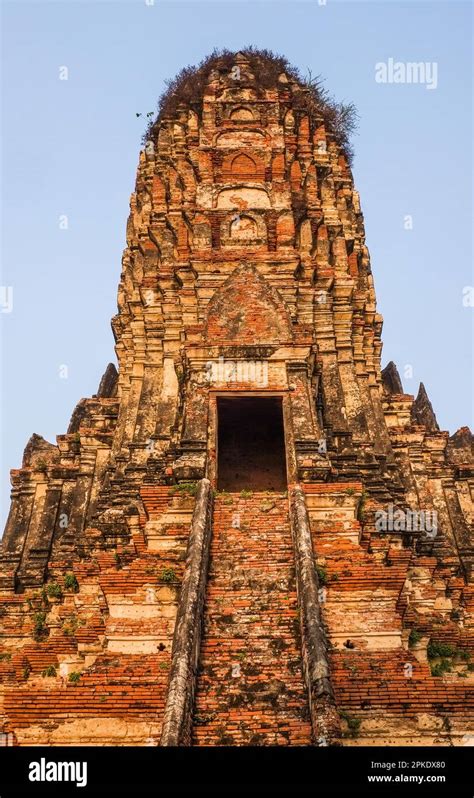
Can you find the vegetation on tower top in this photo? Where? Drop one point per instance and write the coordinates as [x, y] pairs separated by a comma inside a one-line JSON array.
[[188, 88]]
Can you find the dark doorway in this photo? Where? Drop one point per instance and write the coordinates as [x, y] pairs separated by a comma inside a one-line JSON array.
[[250, 444]]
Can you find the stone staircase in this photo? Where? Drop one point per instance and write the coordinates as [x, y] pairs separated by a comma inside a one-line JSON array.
[[250, 687]]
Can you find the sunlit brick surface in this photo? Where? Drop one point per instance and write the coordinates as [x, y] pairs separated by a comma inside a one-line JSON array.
[[115, 632]]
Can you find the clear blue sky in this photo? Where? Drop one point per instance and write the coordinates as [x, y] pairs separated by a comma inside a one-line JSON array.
[[71, 147]]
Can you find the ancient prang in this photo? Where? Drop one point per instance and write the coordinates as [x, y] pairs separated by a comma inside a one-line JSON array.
[[250, 535]]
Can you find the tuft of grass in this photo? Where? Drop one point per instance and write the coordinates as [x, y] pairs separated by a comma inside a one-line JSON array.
[[246, 494], [50, 670], [39, 621], [186, 488], [440, 667], [448, 654], [54, 590], [74, 677], [322, 574], [414, 638], [440, 650], [70, 582], [167, 575]]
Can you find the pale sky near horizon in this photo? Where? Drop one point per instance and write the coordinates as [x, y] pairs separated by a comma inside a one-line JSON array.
[[70, 147]]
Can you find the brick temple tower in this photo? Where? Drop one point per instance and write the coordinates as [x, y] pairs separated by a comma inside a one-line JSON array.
[[251, 534]]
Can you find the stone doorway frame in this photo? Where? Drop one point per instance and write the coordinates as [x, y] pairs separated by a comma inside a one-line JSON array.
[[288, 438], [290, 370]]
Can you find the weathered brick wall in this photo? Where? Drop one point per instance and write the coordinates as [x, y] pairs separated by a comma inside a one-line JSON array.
[[375, 593], [89, 664]]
